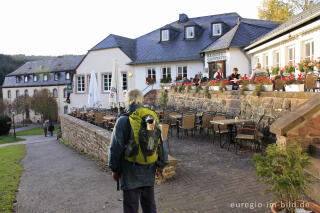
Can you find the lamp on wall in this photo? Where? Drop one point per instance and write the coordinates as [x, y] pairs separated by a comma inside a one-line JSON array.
[[130, 74]]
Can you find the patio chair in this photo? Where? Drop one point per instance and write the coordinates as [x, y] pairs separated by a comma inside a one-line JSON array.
[[278, 83], [205, 122], [187, 123], [311, 82], [98, 118], [249, 133], [164, 131], [172, 121], [219, 129]]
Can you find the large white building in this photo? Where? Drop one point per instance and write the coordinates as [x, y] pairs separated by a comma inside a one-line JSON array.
[[184, 48]]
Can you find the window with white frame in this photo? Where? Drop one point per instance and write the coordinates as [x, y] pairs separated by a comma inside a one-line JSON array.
[[216, 29], [35, 77], [164, 35], [266, 61], [67, 75], [80, 84], [124, 78], [26, 78], [151, 73], [189, 32], [45, 77], [56, 76], [276, 57], [166, 72], [309, 50], [257, 60], [291, 55], [55, 93], [9, 94], [182, 71], [106, 82]]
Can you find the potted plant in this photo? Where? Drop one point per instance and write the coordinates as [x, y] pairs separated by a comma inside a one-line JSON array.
[[178, 78], [282, 171], [165, 82], [214, 85], [275, 71], [251, 85], [267, 84], [294, 85], [307, 65], [290, 69], [150, 81]]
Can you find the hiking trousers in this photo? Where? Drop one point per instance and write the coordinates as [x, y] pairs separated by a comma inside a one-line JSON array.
[[132, 197]]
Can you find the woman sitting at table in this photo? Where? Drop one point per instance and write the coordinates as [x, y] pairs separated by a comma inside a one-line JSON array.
[[196, 80], [218, 75], [235, 77]]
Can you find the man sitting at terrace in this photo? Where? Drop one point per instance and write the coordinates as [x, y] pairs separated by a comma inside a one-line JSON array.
[[258, 72], [235, 78]]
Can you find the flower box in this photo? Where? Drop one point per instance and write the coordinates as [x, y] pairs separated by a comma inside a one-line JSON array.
[[193, 87], [214, 88], [251, 87], [165, 85], [203, 87], [267, 87], [228, 87], [294, 88]]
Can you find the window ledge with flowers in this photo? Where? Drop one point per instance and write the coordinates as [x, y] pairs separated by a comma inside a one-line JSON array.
[[150, 81], [165, 83]]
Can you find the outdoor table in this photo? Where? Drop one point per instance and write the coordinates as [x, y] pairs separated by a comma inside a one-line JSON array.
[[230, 123]]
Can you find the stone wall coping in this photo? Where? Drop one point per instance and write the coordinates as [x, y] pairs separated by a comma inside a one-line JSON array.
[[303, 112], [90, 127]]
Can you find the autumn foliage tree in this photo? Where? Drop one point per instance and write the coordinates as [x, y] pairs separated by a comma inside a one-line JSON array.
[[21, 105], [44, 103], [282, 10]]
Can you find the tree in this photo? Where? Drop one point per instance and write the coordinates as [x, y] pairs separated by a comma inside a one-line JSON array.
[[21, 105], [3, 106], [282, 10], [275, 10], [44, 103]]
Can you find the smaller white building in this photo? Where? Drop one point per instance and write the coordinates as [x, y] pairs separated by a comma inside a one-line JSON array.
[[291, 42]]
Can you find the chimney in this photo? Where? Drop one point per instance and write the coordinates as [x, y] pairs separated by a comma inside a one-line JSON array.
[[183, 18]]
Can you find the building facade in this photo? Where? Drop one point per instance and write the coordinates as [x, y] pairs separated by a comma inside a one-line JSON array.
[[54, 74], [293, 41]]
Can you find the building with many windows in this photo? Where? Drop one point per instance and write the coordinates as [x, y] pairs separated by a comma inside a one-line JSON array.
[[183, 48], [293, 41], [54, 74]]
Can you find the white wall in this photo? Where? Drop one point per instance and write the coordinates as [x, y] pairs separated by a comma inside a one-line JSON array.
[[101, 62], [140, 72], [296, 38], [33, 117]]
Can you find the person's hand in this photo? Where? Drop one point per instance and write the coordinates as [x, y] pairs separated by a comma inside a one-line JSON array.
[[115, 176], [159, 172]]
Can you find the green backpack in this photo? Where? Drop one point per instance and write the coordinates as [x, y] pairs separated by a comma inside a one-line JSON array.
[[143, 144]]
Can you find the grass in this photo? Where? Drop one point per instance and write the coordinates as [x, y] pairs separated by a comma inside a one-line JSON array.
[[35, 131], [10, 139], [10, 173]]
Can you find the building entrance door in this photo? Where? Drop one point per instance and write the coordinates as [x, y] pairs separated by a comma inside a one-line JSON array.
[[214, 66], [212, 69]]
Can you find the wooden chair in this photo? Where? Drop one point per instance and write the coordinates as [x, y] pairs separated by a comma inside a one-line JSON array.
[[311, 82], [249, 133], [164, 131], [172, 121], [205, 122], [219, 129], [98, 118], [187, 123], [278, 83]]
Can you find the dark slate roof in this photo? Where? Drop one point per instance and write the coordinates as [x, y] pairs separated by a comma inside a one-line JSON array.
[[56, 64], [286, 27], [50, 66], [127, 45], [149, 49]]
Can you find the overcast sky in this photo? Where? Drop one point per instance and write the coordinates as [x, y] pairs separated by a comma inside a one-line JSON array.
[[57, 27]]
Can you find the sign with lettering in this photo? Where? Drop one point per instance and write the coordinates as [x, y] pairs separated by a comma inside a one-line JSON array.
[[216, 56]]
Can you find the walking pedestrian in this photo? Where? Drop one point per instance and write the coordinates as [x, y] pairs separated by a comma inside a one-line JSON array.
[[51, 128], [136, 160], [45, 127]]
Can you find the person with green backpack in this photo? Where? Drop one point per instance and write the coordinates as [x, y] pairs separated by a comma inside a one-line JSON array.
[[137, 153]]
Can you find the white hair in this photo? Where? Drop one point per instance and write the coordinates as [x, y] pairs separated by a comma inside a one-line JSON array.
[[134, 97]]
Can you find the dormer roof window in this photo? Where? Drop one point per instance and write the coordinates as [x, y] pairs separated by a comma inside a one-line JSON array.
[[17, 79], [216, 29], [164, 35], [56, 76], [26, 78], [189, 32]]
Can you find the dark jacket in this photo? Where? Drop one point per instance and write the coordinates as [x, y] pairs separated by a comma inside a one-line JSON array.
[[136, 176], [51, 127]]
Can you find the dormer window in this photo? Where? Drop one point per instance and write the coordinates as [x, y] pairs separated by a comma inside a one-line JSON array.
[[216, 29], [189, 32], [67, 75], [56, 76], [35, 78], [26, 78], [17, 79], [45, 77], [164, 35]]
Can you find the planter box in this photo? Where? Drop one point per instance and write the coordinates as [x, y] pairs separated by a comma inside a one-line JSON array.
[[228, 87], [214, 88], [165, 85], [203, 87], [294, 88], [251, 87], [268, 87], [193, 87]]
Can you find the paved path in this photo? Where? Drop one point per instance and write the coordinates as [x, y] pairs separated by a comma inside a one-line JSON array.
[[30, 126], [209, 179], [31, 139], [58, 179]]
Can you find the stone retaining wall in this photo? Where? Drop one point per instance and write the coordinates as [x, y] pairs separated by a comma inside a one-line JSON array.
[[87, 137]]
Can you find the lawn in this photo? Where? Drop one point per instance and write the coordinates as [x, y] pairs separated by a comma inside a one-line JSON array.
[[36, 131], [10, 173], [10, 139]]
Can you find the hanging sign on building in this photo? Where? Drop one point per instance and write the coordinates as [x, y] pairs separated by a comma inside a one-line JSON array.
[[216, 56]]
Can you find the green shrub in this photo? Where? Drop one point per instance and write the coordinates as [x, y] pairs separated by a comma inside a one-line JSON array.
[[5, 124]]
